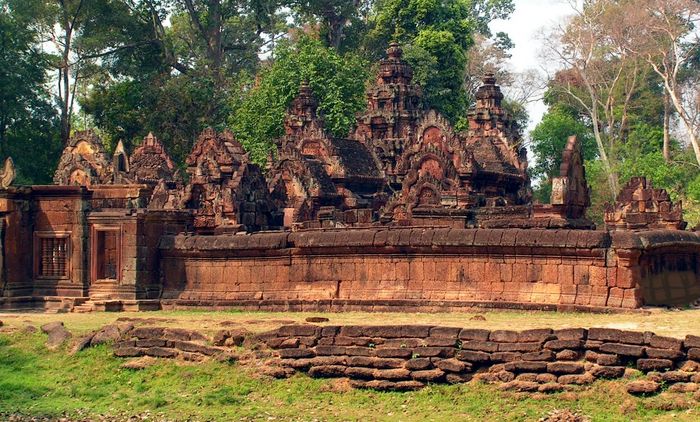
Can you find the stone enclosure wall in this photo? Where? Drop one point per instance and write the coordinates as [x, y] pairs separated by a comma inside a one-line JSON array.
[[430, 269], [408, 357]]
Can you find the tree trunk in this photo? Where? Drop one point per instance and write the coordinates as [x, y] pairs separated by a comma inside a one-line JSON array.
[[65, 95], [667, 128], [687, 122]]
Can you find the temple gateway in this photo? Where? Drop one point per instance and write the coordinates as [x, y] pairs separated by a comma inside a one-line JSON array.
[[404, 213]]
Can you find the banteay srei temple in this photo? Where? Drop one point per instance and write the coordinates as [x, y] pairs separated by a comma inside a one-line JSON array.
[[403, 214]]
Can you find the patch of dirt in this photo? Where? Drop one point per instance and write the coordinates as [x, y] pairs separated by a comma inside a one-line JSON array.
[[147, 321], [139, 363], [341, 385], [270, 321], [564, 415]]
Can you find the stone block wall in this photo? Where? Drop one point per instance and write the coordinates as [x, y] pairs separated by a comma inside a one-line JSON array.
[[410, 356], [423, 269]]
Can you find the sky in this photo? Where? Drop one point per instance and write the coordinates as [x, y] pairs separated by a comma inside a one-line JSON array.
[[530, 16]]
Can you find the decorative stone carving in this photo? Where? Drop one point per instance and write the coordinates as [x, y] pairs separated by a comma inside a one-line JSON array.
[[319, 180], [570, 196], [394, 106], [120, 165], [570, 190], [226, 191], [641, 207], [150, 163], [8, 173], [83, 161], [494, 140]]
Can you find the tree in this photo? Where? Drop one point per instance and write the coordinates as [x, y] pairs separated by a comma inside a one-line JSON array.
[[338, 81], [336, 19], [436, 36], [664, 36], [598, 74], [28, 122]]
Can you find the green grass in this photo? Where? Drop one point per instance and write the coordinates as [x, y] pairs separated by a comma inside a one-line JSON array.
[[37, 382]]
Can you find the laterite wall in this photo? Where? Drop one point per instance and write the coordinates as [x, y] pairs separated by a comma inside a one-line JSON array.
[[416, 269]]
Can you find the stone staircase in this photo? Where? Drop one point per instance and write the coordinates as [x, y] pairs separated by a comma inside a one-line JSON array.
[[85, 307]]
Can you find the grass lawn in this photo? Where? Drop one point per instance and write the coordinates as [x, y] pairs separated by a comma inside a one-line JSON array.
[[38, 382]]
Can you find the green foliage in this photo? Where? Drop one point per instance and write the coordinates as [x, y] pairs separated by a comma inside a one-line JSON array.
[[176, 108], [548, 141], [436, 36], [338, 81], [28, 122]]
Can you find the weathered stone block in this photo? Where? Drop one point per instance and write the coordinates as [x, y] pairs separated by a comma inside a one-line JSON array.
[[670, 343], [568, 355], [433, 375], [676, 376], [664, 353], [647, 365], [505, 356], [565, 368], [394, 353], [643, 387], [622, 349], [473, 356], [543, 355], [538, 335], [503, 336], [519, 347], [160, 352], [604, 334], [525, 366], [452, 365], [608, 372], [473, 334], [392, 374], [692, 342], [578, 379], [418, 364], [297, 353], [563, 344], [481, 346], [328, 371], [521, 386]]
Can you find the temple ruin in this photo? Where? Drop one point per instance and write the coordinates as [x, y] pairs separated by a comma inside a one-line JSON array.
[[404, 213]]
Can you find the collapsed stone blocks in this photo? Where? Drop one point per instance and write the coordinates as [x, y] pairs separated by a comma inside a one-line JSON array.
[[520, 361]]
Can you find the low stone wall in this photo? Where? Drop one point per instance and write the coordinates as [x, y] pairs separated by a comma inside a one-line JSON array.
[[410, 356], [422, 269], [171, 343]]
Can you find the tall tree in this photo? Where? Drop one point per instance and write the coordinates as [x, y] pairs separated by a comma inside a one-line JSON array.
[[28, 121], [598, 74], [665, 37], [437, 36], [338, 81]]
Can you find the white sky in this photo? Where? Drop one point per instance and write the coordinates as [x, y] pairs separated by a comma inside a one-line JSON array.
[[530, 16]]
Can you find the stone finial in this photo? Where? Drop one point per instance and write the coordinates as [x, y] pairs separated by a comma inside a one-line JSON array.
[[489, 95], [394, 51], [393, 69], [8, 173], [150, 140], [489, 78]]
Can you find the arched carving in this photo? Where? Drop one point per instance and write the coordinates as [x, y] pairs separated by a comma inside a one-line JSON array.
[[84, 162]]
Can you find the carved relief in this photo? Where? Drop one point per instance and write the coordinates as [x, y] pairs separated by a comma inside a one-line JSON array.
[[150, 163], [83, 162]]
